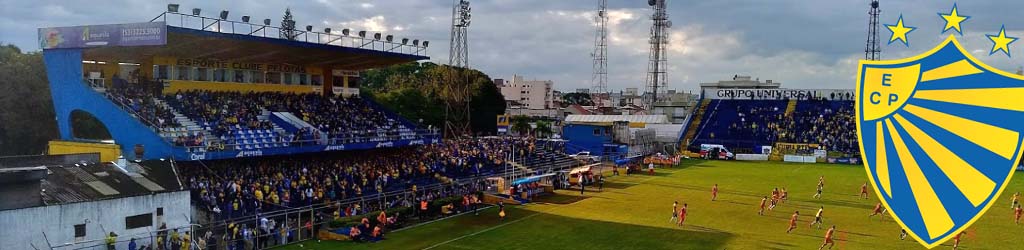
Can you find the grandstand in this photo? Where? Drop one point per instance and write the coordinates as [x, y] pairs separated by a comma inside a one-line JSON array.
[[189, 87], [260, 127], [747, 120]]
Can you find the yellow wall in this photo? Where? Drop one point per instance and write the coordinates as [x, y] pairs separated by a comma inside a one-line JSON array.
[[108, 152], [176, 85]]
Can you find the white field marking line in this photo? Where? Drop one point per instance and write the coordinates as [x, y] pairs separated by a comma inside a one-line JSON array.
[[441, 219], [639, 182], [481, 231], [799, 168]]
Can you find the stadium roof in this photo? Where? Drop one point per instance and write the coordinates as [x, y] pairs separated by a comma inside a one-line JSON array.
[[192, 43], [45, 185], [647, 119], [180, 35]]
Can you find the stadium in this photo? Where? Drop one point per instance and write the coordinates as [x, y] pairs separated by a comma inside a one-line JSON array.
[[242, 134]]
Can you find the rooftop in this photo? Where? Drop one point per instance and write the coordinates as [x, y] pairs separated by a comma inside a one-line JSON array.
[[68, 182]]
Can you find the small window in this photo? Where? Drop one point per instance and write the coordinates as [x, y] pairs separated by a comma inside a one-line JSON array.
[[137, 221], [257, 77], [220, 75], [202, 74], [239, 76], [303, 80], [274, 77], [183, 73], [597, 131], [80, 231], [159, 211], [316, 79], [161, 71], [288, 79]]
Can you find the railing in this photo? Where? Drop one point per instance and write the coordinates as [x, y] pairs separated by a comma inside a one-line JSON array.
[[156, 127], [377, 42], [417, 134], [122, 241]]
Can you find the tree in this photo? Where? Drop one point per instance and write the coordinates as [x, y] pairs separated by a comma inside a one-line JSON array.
[[417, 91], [288, 31], [543, 129], [521, 124], [27, 115]]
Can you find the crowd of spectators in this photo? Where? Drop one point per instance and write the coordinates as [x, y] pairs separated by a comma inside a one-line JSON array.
[[831, 124], [746, 124], [243, 187], [222, 112], [139, 99], [757, 123], [341, 120]]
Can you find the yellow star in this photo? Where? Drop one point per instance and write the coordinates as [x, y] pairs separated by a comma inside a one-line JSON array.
[[899, 32], [953, 20], [1001, 41]]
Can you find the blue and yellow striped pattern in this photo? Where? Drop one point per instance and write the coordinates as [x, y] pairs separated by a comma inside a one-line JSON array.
[[940, 148]]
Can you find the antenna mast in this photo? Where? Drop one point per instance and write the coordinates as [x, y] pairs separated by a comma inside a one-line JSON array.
[[873, 51], [599, 79], [658, 64], [457, 113]]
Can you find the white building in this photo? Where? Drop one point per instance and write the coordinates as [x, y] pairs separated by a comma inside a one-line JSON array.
[[67, 205], [528, 94], [743, 82]]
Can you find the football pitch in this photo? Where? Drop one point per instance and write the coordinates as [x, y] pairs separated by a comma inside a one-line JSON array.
[[633, 212]]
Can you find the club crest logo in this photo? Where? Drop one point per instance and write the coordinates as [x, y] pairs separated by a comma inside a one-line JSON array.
[[940, 133]]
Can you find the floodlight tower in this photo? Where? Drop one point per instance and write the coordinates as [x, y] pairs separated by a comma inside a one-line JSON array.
[[658, 60], [873, 51], [458, 85], [599, 79]]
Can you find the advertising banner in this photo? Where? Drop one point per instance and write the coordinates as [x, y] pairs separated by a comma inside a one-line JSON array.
[[777, 94], [109, 35]]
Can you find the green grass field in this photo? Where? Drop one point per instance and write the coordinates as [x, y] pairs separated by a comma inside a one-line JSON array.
[[633, 212]]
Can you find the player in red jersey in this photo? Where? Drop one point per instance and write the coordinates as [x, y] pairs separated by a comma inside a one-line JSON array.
[[828, 238], [864, 191], [956, 239], [714, 192], [1017, 212], [879, 210], [792, 221], [682, 214], [763, 201]]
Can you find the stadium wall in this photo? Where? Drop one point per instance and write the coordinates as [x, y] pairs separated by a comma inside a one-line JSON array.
[[24, 228], [69, 93], [108, 152]]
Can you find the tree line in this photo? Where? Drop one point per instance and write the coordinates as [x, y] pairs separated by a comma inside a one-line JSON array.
[[417, 91]]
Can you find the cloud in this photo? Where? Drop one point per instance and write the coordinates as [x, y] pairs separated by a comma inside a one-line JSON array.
[[376, 24], [810, 44]]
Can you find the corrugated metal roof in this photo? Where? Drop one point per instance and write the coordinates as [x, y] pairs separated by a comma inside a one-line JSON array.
[[96, 181], [648, 119]]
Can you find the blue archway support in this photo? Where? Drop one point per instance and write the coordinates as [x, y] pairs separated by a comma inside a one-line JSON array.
[[69, 92]]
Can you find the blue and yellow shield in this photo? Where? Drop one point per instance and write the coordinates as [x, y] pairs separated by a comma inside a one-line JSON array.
[[940, 134]]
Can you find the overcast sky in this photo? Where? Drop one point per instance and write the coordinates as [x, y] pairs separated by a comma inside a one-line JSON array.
[[803, 44]]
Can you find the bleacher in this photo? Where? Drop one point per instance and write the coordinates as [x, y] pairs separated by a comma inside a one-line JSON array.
[[745, 125], [214, 121], [740, 124]]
